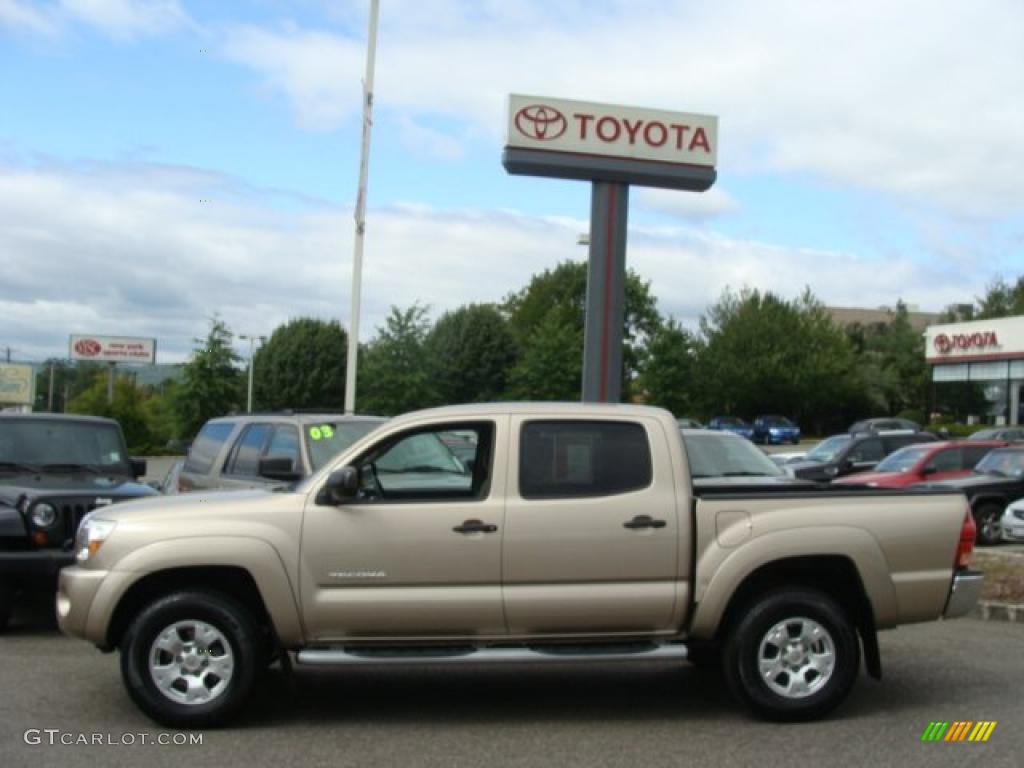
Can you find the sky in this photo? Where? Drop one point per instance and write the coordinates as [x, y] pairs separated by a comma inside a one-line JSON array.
[[165, 160]]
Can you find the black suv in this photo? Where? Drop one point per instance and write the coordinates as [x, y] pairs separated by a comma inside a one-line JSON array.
[[55, 469], [845, 454]]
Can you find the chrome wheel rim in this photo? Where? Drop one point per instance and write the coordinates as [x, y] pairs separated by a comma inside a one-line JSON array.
[[191, 662], [991, 527], [796, 658]]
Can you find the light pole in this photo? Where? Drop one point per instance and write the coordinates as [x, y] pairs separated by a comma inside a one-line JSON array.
[[360, 213], [252, 340]]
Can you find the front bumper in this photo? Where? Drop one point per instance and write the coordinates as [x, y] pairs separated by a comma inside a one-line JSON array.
[[76, 590], [41, 564], [964, 594], [1013, 527]]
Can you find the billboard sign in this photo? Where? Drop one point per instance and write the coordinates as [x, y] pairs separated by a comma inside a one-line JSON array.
[[113, 349], [17, 384], [607, 130]]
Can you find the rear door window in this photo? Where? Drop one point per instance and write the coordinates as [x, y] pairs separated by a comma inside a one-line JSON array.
[[207, 446], [245, 456], [575, 459], [974, 454], [867, 451]]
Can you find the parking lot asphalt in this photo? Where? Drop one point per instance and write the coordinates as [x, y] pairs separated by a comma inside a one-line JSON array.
[[639, 714]]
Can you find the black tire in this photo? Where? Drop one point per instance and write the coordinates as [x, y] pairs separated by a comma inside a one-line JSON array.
[[245, 644], [8, 596], [797, 609], [987, 518]]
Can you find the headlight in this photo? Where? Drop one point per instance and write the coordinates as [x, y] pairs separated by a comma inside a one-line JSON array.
[[831, 471], [43, 515], [90, 537]]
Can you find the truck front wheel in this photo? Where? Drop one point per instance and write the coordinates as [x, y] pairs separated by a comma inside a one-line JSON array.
[[794, 655], [190, 659]]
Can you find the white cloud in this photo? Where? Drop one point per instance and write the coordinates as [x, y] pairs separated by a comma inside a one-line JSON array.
[[126, 19], [132, 251], [687, 205], [916, 98], [422, 140], [23, 17]]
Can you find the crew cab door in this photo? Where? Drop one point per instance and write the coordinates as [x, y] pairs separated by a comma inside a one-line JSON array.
[[418, 552], [593, 532]]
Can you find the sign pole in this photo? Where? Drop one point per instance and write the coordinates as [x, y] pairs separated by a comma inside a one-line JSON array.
[[606, 293], [360, 214]]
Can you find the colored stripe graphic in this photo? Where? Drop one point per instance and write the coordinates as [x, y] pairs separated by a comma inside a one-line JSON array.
[[934, 731], [959, 730], [983, 730]]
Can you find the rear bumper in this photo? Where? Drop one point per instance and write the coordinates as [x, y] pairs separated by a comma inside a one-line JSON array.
[[964, 594]]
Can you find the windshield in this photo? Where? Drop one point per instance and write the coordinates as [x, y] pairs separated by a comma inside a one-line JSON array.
[[776, 421], [985, 434], [724, 455], [1003, 463], [52, 445], [828, 449], [903, 459], [730, 421], [325, 440]]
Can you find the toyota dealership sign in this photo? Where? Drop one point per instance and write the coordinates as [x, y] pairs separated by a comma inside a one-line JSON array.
[[585, 128], [113, 349]]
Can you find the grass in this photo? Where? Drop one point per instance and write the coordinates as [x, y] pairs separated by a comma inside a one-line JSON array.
[[1004, 576]]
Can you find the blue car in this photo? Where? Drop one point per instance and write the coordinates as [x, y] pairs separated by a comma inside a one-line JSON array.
[[732, 424], [775, 430]]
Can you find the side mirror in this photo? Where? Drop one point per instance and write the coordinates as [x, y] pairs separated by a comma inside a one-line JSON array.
[[278, 468], [342, 485], [138, 467]]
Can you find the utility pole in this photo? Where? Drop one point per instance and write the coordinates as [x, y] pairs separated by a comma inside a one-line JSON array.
[[49, 399], [360, 213], [252, 339]]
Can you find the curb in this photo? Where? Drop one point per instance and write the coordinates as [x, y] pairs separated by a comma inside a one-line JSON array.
[[992, 610]]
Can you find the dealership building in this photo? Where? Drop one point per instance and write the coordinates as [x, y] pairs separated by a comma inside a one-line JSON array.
[[986, 352]]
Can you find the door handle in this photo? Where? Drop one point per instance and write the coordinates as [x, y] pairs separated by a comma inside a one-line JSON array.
[[644, 521], [475, 526]]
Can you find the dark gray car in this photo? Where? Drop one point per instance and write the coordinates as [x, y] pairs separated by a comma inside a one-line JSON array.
[[268, 450], [841, 455]]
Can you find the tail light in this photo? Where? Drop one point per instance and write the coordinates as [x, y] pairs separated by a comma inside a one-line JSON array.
[[966, 546]]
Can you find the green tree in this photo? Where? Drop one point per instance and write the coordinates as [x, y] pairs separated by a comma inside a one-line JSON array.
[[211, 384], [302, 365], [128, 408], [1002, 300], [470, 352], [669, 376], [763, 354], [554, 303], [393, 371], [893, 360]]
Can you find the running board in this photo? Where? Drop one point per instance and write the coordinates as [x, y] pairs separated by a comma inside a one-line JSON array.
[[340, 656]]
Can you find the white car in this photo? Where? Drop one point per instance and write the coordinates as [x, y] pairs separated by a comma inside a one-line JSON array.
[[1013, 522]]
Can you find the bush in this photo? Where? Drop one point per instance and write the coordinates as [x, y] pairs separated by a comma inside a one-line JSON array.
[[915, 415]]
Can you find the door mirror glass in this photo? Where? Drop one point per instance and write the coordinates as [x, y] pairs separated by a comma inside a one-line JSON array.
[[278, 468]]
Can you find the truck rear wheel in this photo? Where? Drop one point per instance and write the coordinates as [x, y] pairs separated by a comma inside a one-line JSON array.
[[793, 656], [190, 659], [988, 518]]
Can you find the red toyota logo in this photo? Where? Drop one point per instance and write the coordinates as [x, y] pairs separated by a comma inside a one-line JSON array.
[[943, 344], [88, 347], [540, 122]]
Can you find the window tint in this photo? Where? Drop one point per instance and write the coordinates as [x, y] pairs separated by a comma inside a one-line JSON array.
[[285, 443], [974, 454], [206, 446], [867, 450], [420, 466], [947, 461], [582, 458], [245, 456]]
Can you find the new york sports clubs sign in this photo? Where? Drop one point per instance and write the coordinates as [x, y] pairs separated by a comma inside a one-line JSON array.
[[113, 349], [606, 130]]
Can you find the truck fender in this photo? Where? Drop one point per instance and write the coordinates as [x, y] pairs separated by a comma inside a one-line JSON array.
[[721, 571], [256, 556]]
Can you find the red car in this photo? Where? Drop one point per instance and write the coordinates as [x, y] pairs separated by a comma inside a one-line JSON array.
[[925, 462]]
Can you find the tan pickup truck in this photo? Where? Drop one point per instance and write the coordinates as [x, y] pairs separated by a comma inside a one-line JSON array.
[[572, 532]]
